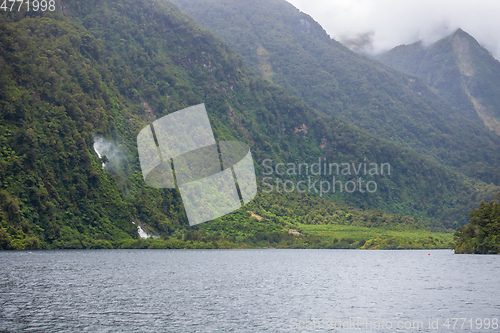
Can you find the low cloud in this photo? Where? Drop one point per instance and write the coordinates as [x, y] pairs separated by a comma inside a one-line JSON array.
[[116, 156], [389, 23]]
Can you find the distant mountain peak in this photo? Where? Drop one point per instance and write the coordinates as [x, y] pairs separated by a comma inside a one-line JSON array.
[[457, 68], [461, 32]]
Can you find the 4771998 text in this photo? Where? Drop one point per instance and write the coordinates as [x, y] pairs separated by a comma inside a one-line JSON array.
[[28, 5]]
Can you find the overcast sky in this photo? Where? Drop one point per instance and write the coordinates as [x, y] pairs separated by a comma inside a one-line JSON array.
[[396, 22]]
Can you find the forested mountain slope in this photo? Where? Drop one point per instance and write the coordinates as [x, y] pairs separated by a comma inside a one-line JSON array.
[[458, 69], [105, 69], [292, 50]]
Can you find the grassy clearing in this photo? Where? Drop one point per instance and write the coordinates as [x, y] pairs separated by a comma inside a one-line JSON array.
[[343, 236]]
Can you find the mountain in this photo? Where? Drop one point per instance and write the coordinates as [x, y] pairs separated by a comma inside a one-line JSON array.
[[459, 70], [92, 74], [290, 49]]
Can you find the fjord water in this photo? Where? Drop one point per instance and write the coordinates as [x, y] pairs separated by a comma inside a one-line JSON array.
[[246, 291]]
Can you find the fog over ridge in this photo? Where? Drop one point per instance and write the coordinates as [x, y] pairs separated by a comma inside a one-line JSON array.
[[383, 24]]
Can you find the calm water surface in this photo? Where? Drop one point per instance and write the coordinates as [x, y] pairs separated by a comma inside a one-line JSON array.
[[248, 291]]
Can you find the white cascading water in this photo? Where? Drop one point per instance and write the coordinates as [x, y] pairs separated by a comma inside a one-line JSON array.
[[98, 154], [142, 233]]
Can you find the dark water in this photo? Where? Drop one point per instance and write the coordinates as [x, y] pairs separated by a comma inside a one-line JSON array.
[[248, 291]]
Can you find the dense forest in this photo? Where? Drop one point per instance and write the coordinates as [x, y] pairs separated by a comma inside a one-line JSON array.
[[482, 233], [101, 70]]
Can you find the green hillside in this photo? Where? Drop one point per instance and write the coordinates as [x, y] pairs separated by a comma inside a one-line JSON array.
[[101, 69], [290, 49], [458, 69]]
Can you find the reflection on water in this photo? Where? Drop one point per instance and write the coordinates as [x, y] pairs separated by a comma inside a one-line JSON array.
[[244, 290]]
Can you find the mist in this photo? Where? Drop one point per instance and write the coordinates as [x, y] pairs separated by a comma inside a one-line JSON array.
[[384, 24], [117, 158]]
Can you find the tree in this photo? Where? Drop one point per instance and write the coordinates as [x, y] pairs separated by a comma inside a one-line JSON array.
[[482, 234]]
